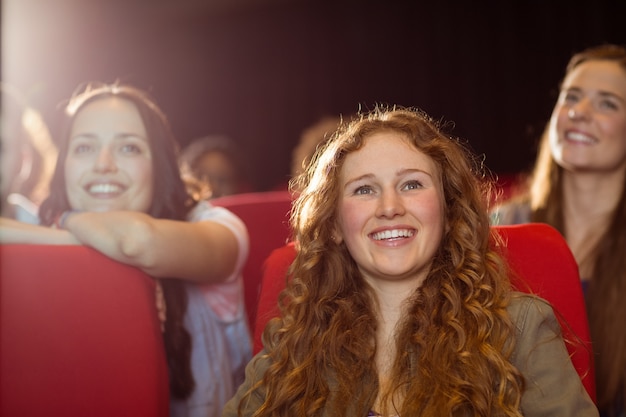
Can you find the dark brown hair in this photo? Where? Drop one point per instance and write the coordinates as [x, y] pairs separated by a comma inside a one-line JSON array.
[[174, 203]]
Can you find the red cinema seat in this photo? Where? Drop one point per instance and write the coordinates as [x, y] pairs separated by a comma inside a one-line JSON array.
[[541, 260], [266, 215], [79, 336]]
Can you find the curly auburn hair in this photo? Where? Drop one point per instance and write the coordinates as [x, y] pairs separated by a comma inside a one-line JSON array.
[[174, 203], [456, 327]]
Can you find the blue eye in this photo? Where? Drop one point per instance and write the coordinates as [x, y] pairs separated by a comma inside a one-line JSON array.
[[131, 148], [608, 104], [363, 190], [412, 185], [570, 97], [82, 148]]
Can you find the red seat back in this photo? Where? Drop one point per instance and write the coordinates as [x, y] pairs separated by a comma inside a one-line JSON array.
[[538, 255], [266, 216], [79, 336], [544, 265]]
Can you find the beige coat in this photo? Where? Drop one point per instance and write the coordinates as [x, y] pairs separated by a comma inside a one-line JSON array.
[[553, 387]]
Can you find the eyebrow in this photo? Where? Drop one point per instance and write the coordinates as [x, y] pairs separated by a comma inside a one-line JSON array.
[[612, 95], [399, 173], [357, 179], [601, 93], [118, 136]]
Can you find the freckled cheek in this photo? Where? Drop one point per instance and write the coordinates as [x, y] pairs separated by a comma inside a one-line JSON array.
[[352, 219], [430, 211]]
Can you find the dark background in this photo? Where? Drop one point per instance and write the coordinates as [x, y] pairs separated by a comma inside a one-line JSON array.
[[261, 71]]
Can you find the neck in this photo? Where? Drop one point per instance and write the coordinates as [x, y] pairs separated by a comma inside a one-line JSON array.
[[588, 203], [391, 306], [591, 195]]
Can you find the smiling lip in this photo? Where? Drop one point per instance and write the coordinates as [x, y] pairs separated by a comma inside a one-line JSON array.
[[393, 234], [579, 137], [104, 189]]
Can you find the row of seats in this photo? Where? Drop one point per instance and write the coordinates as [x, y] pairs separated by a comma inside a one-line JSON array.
[[79, 333]]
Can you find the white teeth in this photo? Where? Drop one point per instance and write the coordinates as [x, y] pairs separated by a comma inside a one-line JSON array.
[[393, 234], [579, 137], [104, 188]]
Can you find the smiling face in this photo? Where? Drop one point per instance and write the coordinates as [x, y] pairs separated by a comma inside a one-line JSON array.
[[109, 161], [391, 213], [588, 124]]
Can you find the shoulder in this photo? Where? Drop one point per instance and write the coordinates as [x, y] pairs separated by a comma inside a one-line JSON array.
[[552, 385], [536, 327], [255, 370], [529, 310], [205, 211]]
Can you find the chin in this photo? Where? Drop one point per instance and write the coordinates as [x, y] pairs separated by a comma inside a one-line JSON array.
[[102, 208]]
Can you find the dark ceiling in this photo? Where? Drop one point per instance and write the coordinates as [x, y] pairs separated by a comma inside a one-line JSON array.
[[260, 71]]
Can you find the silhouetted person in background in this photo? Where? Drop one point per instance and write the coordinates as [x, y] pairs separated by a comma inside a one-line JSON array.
[[28, 157], [216, 161]]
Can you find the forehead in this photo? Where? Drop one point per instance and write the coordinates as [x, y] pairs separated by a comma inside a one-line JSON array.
[[388, 151], [606, 76], [390, 144], [109, 115]]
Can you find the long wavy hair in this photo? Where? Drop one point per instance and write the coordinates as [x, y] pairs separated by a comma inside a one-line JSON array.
[[605, 307], [455, 342], [172, 202]]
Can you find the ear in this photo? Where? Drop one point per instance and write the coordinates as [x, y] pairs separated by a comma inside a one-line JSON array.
[[337, 237]]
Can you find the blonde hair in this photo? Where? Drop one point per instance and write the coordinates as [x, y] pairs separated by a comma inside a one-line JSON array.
[[606, 310]]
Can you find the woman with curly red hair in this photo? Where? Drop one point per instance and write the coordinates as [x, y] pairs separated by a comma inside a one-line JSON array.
[[398, 302]]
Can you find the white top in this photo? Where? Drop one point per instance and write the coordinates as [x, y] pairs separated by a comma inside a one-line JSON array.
[[217, 321]]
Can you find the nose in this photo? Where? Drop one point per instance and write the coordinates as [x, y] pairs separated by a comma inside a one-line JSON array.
[[105, 161], [579, 111], [390, 205]]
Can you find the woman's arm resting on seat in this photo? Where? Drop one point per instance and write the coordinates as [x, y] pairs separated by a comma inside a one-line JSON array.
[[203, 251], [13, 231]]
